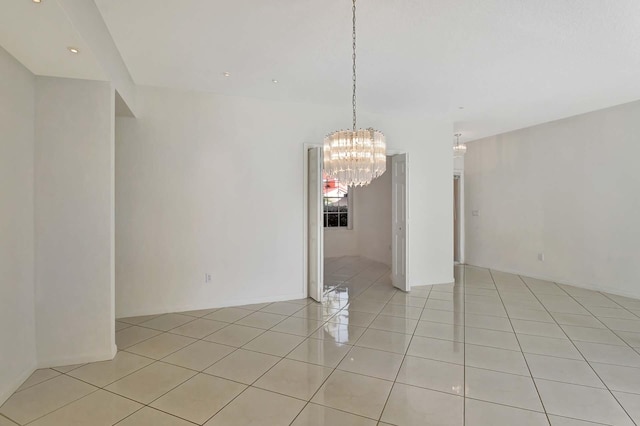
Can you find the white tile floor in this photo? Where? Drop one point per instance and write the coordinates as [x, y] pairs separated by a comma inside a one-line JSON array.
[[491, 349]]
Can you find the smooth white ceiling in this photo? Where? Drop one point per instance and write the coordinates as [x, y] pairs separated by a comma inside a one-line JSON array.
[[510, 63], [38, 35]]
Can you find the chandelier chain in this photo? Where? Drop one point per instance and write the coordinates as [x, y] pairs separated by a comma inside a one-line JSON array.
[[354, 65]]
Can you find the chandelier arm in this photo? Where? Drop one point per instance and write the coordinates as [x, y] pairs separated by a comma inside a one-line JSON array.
[[354, 65]]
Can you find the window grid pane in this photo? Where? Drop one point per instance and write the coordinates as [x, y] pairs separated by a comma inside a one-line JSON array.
[[336, 204]]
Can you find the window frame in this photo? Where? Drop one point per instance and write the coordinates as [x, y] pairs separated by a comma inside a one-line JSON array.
[[325, 214]]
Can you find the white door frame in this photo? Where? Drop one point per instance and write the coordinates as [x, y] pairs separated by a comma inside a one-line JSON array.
[[305, 214], [460, 174], [305, 217]]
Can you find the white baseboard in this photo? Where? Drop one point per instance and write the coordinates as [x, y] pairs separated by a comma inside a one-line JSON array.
[[77, 359], [594, 287], [8, 388], [199, 306], [437, 282]]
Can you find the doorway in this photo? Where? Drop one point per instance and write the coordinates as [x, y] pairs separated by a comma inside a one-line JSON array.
[[345, 222]]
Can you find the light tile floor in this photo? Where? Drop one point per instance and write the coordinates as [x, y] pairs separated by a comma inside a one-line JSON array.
[[491, 349]]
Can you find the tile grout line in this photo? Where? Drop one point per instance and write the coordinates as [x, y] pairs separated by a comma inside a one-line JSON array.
[[591, 366], [341, 359], [579, 351], [521, 351]]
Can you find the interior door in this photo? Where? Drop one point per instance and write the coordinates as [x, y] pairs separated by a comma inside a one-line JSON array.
[[399, 221], [316, 226], [456, 221]]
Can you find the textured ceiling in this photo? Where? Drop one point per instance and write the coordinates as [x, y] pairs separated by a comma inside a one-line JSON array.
[[510, 63]]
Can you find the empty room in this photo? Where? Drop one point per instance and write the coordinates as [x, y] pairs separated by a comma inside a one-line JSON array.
[[305, 212]]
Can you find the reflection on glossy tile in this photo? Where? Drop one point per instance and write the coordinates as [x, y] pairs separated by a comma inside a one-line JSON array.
[[258, 407], [339, 333], [298, 326], [321, 352], [409, 405], [350, 317], [384, 341]]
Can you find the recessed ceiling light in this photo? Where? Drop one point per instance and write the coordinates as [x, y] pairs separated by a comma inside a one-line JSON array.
[[37, 1], [226, 74], [73, 50], [275, 81]]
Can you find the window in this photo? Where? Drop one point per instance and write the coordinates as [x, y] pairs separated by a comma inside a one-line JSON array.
[[337, 204]]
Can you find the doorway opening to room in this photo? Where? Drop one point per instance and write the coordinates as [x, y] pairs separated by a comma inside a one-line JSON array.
[[355, 236]]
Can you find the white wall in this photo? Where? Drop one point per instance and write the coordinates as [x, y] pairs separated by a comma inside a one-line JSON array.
[[340, 242], [74, 220], [371, 233], [208, 183], [17, 320], [373, 218], [568, 189]]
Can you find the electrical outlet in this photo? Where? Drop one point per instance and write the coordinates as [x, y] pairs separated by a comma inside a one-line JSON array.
[[207, 277], [541, 257], [475, 213]]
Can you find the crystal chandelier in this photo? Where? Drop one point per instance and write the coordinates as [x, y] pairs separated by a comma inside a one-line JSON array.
[[459, 149], [355, 157]]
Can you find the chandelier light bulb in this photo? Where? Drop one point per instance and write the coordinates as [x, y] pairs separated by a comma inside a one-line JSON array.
[[355, 157], [459, 149]]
